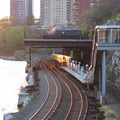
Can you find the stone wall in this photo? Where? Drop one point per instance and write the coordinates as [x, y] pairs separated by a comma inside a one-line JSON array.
[[116, 63]]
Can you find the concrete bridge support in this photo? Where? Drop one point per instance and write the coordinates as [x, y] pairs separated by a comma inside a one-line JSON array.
[[102, 96], [75, 53], [66, 51], [83, 55], [104, 73]]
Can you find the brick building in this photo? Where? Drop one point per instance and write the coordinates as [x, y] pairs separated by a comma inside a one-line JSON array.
[[19, 10]]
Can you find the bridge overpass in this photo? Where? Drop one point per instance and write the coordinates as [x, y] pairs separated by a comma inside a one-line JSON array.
[[104, 39], [60, 43], [80, 48]]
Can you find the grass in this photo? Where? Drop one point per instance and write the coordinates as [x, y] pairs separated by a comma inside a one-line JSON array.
[[109, 75], [33, 97], [109, 114], [118, 80], [21, 108]]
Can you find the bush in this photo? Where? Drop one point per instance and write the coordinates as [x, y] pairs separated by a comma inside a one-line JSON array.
[[109, 75]]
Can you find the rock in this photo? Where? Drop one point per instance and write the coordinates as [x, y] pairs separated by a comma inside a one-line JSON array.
[[116, 63]]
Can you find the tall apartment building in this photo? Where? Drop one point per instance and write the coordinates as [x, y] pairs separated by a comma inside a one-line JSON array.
[[80, 6], [94, 3], [30, 7], [61, 12], [69, 11], [19, 10], [75, 12], [55, 12]]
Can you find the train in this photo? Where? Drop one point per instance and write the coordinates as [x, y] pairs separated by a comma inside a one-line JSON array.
[[63, 34], [62, 59]]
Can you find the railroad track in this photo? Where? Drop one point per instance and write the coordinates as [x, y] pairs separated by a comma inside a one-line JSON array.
[[78, 105], [52, 99], [65, 100], [114, 90], [84, 102]]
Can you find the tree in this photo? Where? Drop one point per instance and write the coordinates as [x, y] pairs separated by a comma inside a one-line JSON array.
[[2, 40], [4, 22], [30, 20], [13, 20], [100, 14], [11, 39]]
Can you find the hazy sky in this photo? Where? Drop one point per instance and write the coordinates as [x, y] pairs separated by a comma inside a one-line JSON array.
[[5, 8]]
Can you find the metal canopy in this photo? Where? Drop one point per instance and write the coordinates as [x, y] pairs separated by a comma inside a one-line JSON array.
[[57, 43]]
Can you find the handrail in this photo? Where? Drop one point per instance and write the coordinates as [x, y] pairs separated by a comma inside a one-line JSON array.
[[93, 56], [103, 35]]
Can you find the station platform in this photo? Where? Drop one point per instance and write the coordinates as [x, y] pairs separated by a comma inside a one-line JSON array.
[[84, 77]]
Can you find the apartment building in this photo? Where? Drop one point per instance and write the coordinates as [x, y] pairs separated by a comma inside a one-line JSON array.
[[75, 12], [69, 11], [94, 3], [55, 12], [62, 12], [19, 10], [79, 7]]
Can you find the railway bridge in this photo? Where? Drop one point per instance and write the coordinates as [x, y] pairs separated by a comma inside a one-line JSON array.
[[80, 49], [91, 52]]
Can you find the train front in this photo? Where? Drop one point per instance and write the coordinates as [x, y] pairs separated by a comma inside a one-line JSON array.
[[63, 60]]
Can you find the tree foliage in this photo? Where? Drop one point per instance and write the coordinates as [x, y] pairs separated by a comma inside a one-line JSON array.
[[4, 22], [30, 20], [100, 14], [11, 39]]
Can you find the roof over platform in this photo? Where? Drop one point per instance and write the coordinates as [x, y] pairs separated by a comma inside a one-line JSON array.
[[58, 43]]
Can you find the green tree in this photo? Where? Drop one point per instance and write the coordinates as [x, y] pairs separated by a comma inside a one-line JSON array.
[[11, 39], [30, 20], [2, 40], [13, 20], [4, 22], [100, 14]]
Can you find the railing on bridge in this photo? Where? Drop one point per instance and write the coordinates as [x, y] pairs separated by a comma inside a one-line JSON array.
[[107, 34], [106, 37]]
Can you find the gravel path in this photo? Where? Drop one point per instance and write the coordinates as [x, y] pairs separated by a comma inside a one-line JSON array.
[[32, 106]]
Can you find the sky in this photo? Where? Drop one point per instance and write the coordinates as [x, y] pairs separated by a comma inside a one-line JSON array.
[[5, 8]]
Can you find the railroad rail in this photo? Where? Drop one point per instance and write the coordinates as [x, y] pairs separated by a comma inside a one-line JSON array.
[[78, 105], [114, 90], [82, 92], [65, 100], [52, 99]]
